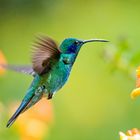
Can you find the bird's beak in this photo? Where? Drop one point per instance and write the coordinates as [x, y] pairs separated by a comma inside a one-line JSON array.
[[95, 40]]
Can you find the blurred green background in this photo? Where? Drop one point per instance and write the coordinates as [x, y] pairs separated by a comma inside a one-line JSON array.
[[94, 104]]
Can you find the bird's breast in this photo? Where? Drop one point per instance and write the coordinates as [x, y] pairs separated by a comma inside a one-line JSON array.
[[58, 76]]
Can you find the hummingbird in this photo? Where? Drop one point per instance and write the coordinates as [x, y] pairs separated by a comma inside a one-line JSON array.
[[51, 67]]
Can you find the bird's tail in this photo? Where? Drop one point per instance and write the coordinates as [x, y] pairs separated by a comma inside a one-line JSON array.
[[33, 95], [28, 97]]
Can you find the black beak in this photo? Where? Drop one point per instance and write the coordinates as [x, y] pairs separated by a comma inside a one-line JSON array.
[[95, 40]]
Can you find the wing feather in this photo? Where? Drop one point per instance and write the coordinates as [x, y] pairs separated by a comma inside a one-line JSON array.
[[45, 52], [21, 68]]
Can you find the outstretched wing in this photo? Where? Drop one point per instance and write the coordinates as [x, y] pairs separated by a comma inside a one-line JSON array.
[[23, 69], [45, 53]]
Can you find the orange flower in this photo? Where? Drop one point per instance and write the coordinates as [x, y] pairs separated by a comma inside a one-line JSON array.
[[133, 134], [2, 61], [34, 123], [136, 91]]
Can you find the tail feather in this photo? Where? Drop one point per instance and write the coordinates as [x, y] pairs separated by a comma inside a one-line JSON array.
[[33, 101], [27, 102], [18, 112], [33, 95], [28, 97]]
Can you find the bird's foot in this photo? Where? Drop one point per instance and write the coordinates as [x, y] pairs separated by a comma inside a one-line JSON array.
[[50, 95]]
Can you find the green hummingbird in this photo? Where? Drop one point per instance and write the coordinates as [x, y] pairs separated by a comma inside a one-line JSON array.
[[51, 67]]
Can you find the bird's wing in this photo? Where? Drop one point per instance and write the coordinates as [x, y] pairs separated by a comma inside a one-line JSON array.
[[23, 69], [45, 52]]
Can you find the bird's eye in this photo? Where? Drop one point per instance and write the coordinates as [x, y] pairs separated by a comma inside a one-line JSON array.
[[76, 42]]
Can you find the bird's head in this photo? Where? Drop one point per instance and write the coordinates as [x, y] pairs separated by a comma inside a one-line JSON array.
[[73, 45]]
